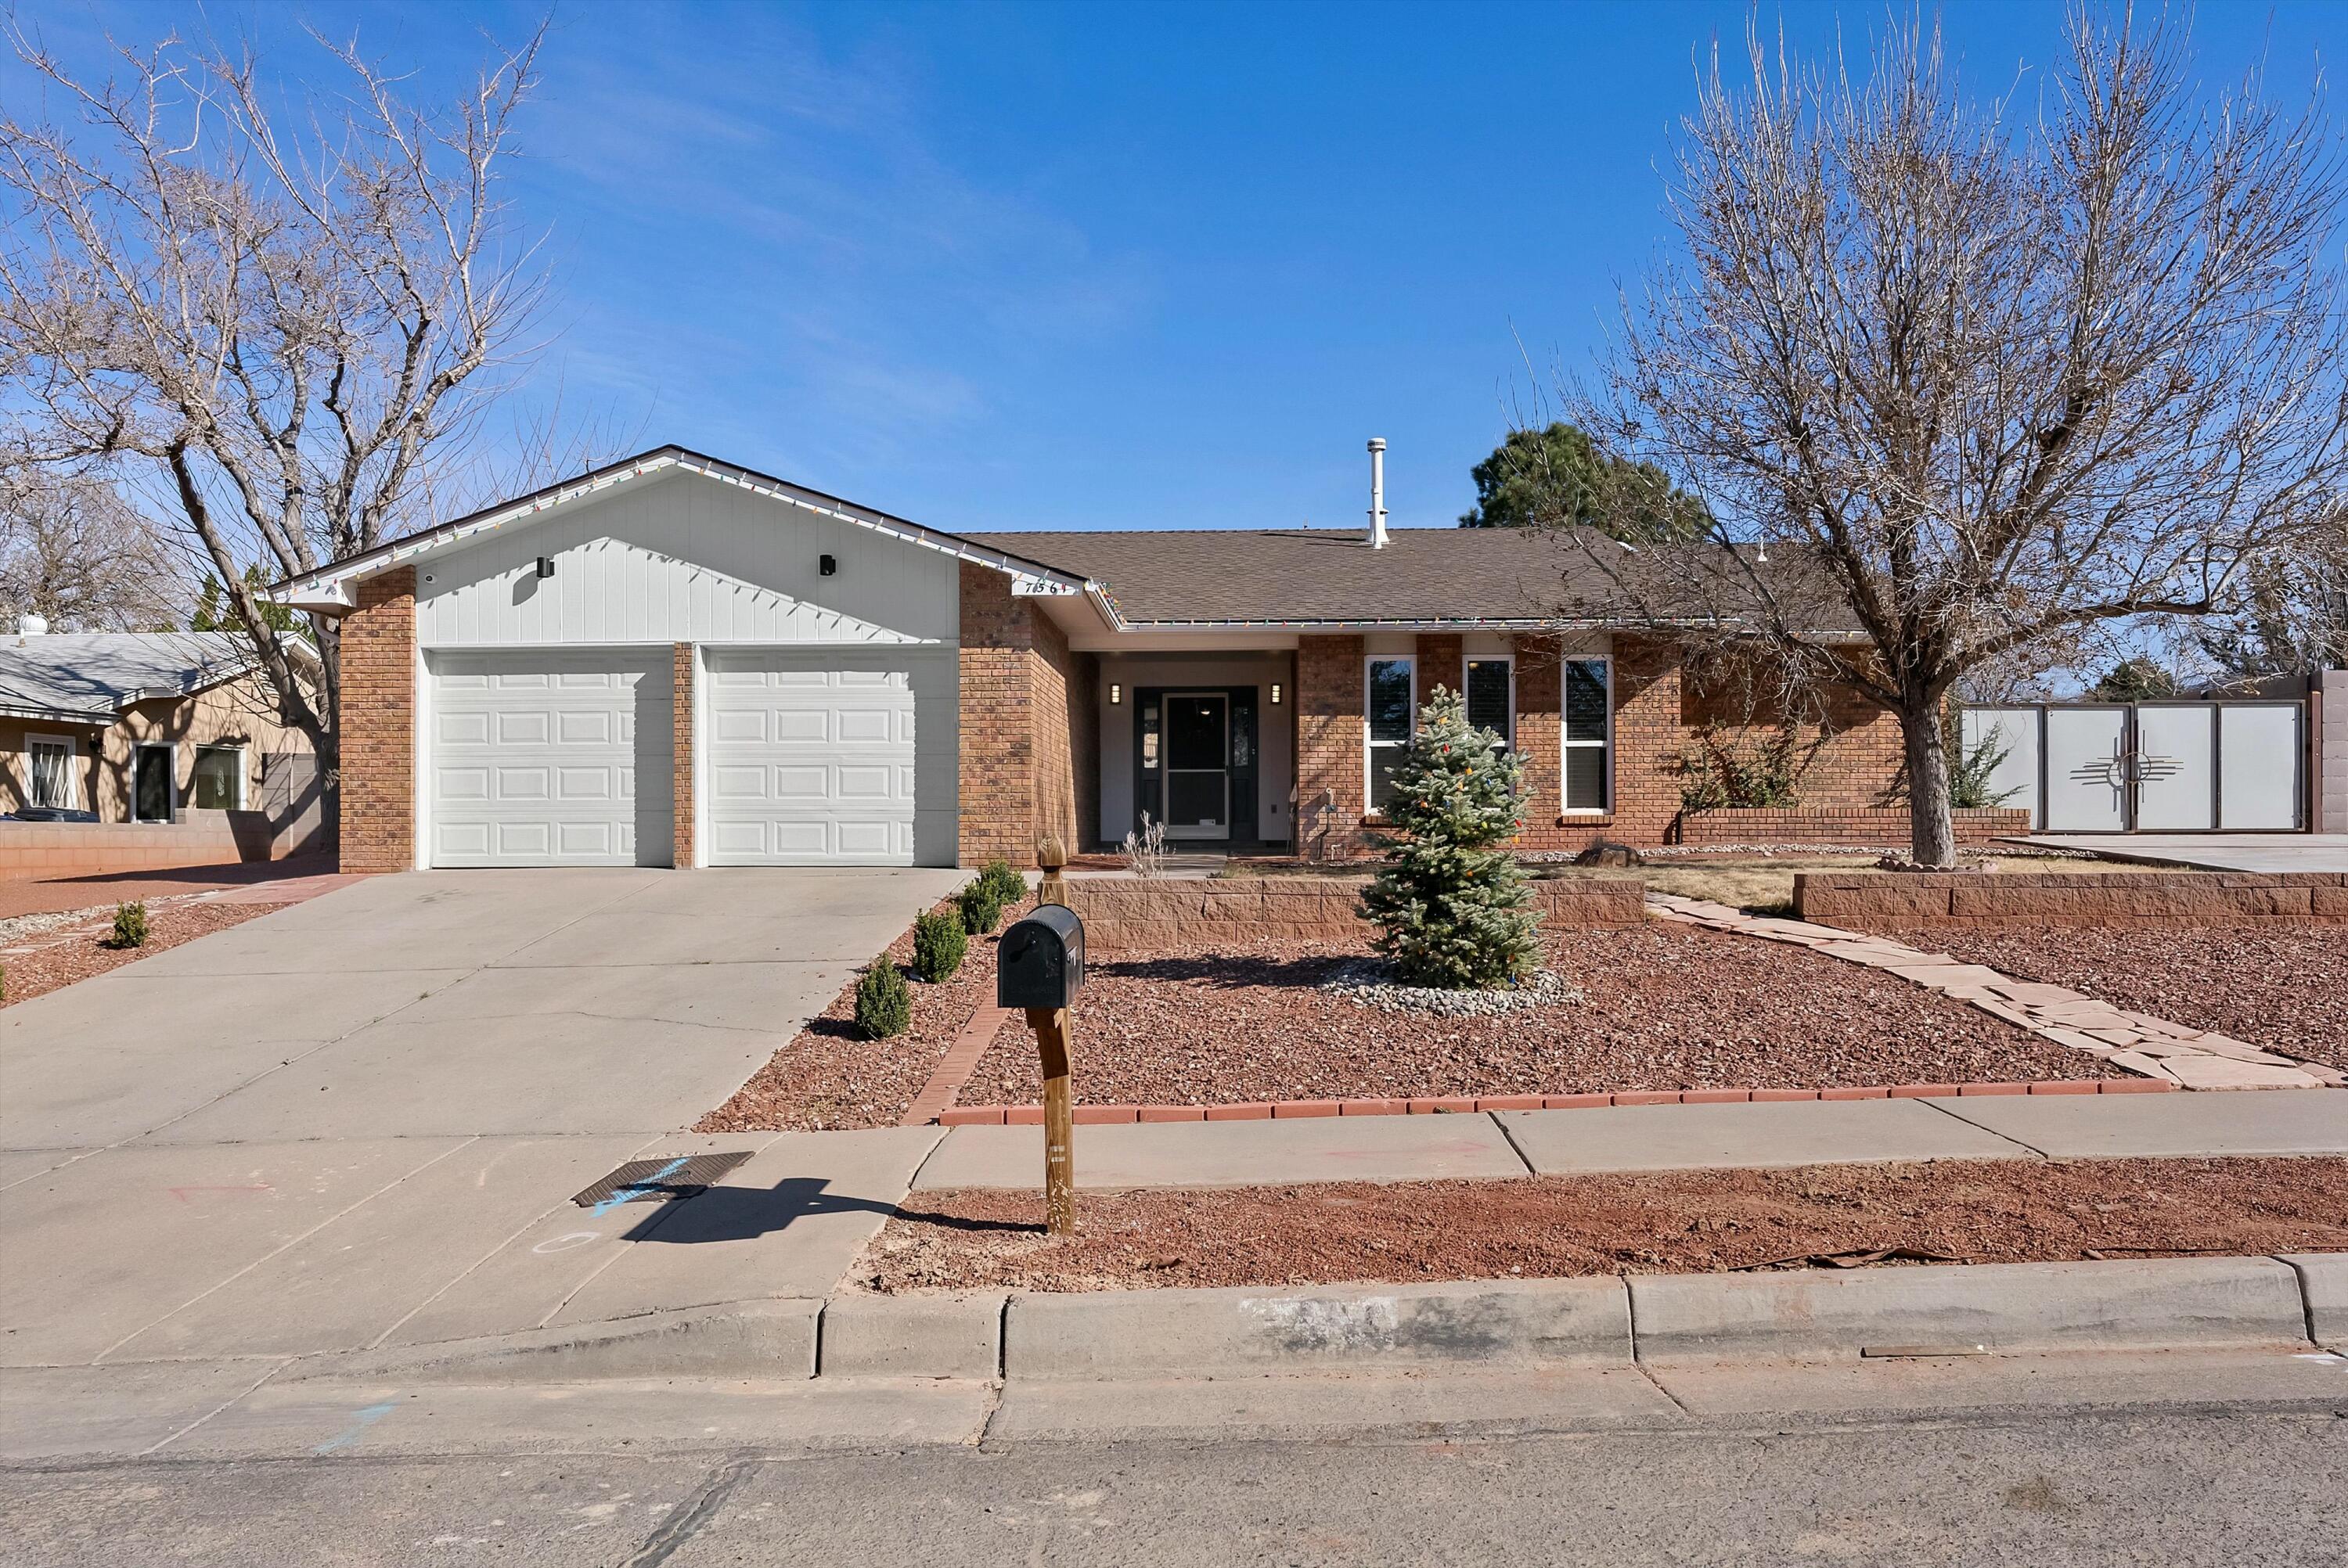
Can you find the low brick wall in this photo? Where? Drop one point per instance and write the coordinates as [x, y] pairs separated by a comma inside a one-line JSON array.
[[1862, 824], [1117, 912], [30, 849], [2081, 899]]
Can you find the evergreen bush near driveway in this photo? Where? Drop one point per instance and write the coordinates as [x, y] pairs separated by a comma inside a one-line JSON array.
[[884, 1002], [1450, 908], [979, 906], [938, 945], [129, 926], [1009, 887]]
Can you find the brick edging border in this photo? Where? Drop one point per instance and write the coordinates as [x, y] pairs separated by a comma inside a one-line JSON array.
[[1289, 1110]]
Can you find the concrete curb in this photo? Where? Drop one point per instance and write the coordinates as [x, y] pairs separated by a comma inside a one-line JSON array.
[[2120, 1304], [1169, 1332], [740, 1339], [1604, 1320]]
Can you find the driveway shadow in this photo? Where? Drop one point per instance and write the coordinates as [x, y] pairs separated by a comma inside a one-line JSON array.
[[745, 1214]]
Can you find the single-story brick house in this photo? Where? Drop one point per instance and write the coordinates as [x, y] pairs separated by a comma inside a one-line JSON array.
[[126, 750], [675, 661]]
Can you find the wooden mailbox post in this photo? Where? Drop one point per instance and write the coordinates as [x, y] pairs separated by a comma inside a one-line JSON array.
[[1039, 967]]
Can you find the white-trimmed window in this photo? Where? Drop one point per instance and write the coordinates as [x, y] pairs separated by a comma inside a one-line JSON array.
[[1588, 717], [1491, 696], [1390, 704], [49, 768], [217, 782]]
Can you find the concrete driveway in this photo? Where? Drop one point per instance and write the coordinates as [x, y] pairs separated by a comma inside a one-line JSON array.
[[2213, 851], [358, 1120]]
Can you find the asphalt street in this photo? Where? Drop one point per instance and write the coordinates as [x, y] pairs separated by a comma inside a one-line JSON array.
[[2238, 1487]]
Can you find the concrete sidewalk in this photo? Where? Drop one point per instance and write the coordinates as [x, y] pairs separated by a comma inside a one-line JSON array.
[[2280, 1121], [2211, 851]]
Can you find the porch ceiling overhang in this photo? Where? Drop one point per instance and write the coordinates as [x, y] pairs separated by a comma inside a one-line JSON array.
[[330, 591]]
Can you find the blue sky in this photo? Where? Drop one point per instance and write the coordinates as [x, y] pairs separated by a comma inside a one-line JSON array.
[[1099, 266]]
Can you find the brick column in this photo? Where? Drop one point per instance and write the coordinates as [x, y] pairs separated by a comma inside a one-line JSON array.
[[1442, 661], [1329, 734], [1647, 740], [1539, 734], [680, 700], [377, 739], [998, 727]]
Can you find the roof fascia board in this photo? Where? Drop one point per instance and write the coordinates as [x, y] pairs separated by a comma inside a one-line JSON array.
[[327, 589]]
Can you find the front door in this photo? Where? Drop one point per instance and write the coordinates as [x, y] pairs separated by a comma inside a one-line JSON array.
[[151, 784], [1198, 764]]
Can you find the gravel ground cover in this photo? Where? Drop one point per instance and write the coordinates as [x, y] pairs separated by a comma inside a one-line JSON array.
[[2283, 988], [1662, 1222], [1663, 1007], [59, 960], [830, 1077]]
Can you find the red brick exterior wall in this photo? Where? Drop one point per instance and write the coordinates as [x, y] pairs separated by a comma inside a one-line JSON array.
[[681, 696], [1329, 737], [1442, 661], [377, 799], [1028, 716]]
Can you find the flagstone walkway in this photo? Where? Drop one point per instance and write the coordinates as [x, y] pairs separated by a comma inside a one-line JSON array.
[[2135, 1042]]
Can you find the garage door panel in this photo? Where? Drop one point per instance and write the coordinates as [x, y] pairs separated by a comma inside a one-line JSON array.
[[536, 754], [812, 756]]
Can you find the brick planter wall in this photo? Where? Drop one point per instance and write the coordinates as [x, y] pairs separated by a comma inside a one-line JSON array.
[[1117, 912], [1858, 824], [2087, 898]]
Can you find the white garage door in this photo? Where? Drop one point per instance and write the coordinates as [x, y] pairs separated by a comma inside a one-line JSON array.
[[536, 757], [812, 758]]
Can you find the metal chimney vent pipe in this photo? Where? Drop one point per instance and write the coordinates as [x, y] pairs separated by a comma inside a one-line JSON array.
[[1377, 492]]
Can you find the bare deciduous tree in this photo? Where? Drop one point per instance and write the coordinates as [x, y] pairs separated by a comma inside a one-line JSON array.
[[1986, 378], [282, 332], [73, 553]]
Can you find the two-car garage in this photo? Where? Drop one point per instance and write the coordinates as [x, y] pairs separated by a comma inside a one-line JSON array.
[[796, 756]]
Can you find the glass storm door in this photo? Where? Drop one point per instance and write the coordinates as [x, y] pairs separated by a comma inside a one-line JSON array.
[[151, 784], [1198, 764]]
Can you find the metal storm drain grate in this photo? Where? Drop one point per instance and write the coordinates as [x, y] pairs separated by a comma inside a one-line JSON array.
[[659, 1180]]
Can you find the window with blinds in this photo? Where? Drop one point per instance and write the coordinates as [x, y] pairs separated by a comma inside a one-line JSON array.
[[1491, 698], [1589, 737]]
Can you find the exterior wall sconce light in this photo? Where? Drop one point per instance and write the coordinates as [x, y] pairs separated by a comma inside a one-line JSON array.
[[1275, 694], [827, 566], [546, 566], [1115, 695]]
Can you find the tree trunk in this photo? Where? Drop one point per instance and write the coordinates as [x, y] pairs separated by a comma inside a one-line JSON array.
[[1931, 833]]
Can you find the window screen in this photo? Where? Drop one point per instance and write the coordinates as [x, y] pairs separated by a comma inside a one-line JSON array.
[[1489, 704], [1388, 703], [1589, 771]]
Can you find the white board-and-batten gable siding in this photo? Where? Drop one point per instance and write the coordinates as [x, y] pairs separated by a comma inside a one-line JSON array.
[[682, 557]]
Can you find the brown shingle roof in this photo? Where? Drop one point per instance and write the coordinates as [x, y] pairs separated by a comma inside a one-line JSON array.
[[1321, 575]]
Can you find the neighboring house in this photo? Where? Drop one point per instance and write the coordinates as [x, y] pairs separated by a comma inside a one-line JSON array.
[[676, 661], [169, 733]]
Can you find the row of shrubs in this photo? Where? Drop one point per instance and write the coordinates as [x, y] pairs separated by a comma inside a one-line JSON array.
[[884, 1002]]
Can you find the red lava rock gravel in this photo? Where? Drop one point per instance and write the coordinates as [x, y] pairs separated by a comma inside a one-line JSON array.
[[1660, 1222], [1666, 1006], [2284, 987], [59, 959], [830, 1077]]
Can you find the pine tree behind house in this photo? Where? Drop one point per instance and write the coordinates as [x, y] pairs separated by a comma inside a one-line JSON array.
[[1451, 908]]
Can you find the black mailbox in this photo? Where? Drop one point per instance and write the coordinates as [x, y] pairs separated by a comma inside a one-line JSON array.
[[1041, 962]]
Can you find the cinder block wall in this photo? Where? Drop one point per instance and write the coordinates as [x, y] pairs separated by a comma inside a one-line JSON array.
[[2332, 753], [378, 725]]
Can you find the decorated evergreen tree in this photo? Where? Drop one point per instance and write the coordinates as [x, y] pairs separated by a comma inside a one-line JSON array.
[[1451, 907]]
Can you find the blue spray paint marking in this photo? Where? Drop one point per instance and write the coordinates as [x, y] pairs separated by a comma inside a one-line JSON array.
[[622, 1195], [345, 1438]]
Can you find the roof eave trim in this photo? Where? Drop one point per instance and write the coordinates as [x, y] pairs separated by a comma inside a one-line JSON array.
[[327, 590]]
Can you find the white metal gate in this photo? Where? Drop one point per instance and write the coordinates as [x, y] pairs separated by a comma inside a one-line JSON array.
[[2148, 767]]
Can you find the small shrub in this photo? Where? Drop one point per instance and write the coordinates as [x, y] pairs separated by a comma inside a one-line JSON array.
[[1144, 852], [939, 944], [129, 926], [884, 1002], [1731, 769], [1010, 886], [1970, 770], [980, 909]]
